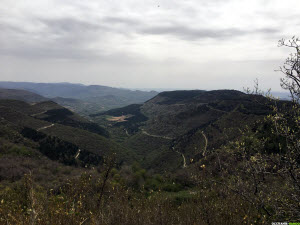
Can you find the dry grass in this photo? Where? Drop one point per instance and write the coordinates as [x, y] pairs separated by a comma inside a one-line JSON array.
[[118, 118]]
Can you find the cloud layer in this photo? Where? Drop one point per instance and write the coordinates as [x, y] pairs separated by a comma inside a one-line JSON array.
[[125, 43]]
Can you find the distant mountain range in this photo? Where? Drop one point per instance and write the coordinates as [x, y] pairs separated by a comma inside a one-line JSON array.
[[281, 95], [80, 98], [22, 95]]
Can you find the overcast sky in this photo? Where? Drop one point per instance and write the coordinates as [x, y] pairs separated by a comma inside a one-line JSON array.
[[187, 44]]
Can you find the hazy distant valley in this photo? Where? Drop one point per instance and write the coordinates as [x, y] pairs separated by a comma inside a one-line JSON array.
[[77, 97]]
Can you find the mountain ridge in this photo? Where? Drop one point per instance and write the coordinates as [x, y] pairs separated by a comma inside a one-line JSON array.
[[81, 98], [183, 125]]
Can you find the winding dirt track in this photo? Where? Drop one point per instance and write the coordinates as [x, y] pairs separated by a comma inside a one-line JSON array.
[[45, 127], [206, 143], [168, 138], [156, 136], [77, 154], [183, 157], [33, 115]]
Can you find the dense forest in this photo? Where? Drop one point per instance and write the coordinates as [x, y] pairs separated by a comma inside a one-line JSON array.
[[182, 157]]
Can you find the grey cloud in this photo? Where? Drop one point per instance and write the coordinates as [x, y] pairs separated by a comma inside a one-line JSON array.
[[64, 37], [66, 25], [47, 28], [9, 28], [186, 32], [128, 26], [121, 20], [37, 53], [68, 37], [88, 31], [60, 38], [42, 52]]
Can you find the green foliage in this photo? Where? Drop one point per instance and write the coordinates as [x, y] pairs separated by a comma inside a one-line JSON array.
[[172, 187], [63, 151], [68, 118], [132, 123], [17, 151]]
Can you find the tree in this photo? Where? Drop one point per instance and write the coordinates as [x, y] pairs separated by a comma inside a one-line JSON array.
[[284, 124], [291, 68], [267, 170]]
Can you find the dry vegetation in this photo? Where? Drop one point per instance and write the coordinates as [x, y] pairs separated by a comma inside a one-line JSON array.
[[118, 118]]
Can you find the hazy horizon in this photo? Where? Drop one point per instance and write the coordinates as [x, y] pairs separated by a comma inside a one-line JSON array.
[[192, 44], [280, 93]]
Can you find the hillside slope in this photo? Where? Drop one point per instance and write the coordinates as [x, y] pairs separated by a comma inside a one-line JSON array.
[[175, 128], [22, 95], [60, 133], [20, 156]]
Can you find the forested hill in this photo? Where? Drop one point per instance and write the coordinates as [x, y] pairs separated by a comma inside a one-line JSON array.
[[81, 98], [171, 129], [59, 132], [22, 95]]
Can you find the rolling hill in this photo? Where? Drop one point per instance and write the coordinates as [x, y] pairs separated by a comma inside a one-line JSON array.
[[175, 128], [81, 98], [22, 95], [59, 133], [165, 133]]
